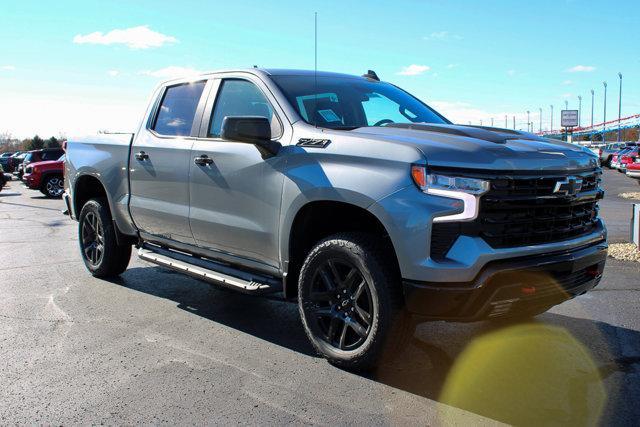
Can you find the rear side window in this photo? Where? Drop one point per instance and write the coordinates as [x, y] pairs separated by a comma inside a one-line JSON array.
[[177, 109]]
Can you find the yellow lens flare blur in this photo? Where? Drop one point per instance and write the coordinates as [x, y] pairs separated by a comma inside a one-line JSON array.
[[529, 374]]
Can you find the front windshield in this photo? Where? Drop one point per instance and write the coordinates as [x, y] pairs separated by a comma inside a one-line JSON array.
[[349, 103]]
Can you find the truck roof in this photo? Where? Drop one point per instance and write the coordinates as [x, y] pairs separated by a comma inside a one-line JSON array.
[[265, 71]]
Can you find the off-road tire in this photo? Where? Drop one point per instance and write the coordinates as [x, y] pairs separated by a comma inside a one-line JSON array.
[[114, 258], [391, 327]]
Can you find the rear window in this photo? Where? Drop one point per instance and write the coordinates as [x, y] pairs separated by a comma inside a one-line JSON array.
[[177, 109]]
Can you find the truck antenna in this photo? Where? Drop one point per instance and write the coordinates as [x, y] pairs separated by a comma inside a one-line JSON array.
[[315, 70]]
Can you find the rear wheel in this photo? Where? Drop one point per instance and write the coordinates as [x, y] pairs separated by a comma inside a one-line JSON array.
[[350, 301], [100, 251], [53, 186]]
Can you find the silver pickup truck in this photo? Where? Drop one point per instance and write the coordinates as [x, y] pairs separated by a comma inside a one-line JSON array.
[[345, 194]]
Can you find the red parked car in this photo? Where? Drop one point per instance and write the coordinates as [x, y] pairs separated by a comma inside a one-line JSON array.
[[633, 169], [47, 176], [627, 158]]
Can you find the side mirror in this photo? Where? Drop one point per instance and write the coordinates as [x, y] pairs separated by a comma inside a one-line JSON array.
[[250, 130]]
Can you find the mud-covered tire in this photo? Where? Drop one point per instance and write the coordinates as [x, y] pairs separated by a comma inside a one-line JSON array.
[[373, 292], [99, 249]]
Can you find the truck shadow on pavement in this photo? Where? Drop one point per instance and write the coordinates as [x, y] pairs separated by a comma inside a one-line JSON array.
[[427, 365]]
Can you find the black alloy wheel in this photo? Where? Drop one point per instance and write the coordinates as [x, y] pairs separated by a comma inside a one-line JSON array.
[[340, 306]]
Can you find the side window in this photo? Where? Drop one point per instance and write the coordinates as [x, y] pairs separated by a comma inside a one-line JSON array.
[[241, 98], [177, 109]]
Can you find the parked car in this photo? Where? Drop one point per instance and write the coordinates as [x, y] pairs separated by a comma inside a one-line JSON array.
[[633, 169], [47, 176], [4, 159], [617, 157], [595, 148], [609, 150], [15, 160], [3, 178], [345, 193], [627, 157], [39, 156]]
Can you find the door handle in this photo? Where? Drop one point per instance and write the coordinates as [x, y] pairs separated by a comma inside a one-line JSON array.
[[203, 160], [142, 155]]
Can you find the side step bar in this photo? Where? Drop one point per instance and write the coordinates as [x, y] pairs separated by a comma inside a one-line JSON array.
[[210, 271]]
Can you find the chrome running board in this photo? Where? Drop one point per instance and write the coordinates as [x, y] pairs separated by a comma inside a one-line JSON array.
[[210, 271]]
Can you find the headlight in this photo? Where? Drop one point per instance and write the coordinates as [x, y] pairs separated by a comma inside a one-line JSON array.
[[468, 190]]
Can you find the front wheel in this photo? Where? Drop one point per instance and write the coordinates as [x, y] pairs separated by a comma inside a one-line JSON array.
[[350, 301], [100, 251]]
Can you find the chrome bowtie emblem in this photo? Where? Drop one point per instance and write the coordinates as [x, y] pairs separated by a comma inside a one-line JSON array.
[[569, 186]]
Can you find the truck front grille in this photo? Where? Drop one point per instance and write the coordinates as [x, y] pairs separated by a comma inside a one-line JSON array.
[[524, 210]]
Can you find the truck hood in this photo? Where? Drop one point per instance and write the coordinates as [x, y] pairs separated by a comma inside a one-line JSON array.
[[470, 147]]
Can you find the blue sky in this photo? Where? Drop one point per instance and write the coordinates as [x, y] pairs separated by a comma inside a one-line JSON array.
[[63, 69]]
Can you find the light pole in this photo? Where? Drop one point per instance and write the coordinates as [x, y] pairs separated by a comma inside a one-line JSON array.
[[579, 110], [540, 120], [506, 125], [514, 122], [619, 105], [491, 121], [604, 115], [592, 98], [528, 121], [566, 104], [551, 117]]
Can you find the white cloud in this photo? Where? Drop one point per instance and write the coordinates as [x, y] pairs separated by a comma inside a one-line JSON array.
[[567, 82], [414, 70], [113, 73], [442, 35], [141, 37], [7, 67], [463, 113], [450, 66], [172, 71], [511, 72], [581, 69]]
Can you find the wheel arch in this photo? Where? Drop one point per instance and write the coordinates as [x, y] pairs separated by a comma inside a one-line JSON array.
[[87, 187], [318, 219]]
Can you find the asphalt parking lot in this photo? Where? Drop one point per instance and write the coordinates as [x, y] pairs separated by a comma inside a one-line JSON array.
[[158, 347]]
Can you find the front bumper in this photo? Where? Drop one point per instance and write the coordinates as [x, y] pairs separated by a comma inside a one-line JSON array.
[[509, 287], [32, 181], [633, 173]]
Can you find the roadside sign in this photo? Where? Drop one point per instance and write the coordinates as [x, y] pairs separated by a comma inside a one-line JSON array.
[[635, 224], [569, 118]]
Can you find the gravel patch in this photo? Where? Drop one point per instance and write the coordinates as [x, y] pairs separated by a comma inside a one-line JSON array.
[[624, 252], [635, 195]]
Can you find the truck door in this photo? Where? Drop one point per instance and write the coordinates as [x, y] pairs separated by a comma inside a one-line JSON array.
[[160, 161], [235, 192]]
